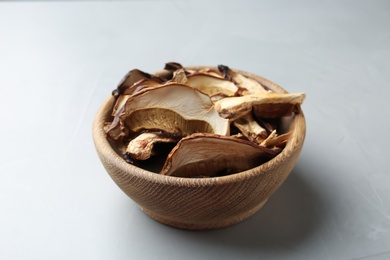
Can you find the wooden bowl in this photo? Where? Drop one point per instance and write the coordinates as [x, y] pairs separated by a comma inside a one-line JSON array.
[[205, 203]]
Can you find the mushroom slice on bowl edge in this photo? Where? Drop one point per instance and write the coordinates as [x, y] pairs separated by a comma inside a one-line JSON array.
[[198, 121], [210, 155]]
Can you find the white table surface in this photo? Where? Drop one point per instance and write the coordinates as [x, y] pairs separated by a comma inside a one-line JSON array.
[[60, 60]]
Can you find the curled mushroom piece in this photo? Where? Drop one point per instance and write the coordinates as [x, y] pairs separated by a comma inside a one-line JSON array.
[[129, 79], [251, 86], [251, 129], [179, 76], [173, 108], [140, 148], [265, 104], [275, 140], [211, 155], [173, 66]]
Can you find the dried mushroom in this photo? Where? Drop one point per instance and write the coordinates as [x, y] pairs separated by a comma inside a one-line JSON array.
[[264, 104], [204, 122], [200, 155], [251, 86], [129, 79], [211, 85], [251, 129], [173, 108], [141, 147]]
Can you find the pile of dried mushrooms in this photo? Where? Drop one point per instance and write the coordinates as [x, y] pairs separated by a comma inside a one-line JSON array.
[[198, 123]]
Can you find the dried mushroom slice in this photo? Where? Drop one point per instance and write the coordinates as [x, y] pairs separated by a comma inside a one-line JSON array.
[[251, 85], [212, 72], [179, 76], [174, 108], [251, 129], [275, 140], [136, 87], [141, 147], [214, 155], [211, 85], [129, 79], [113, 129], [264, 104], [172, 66]]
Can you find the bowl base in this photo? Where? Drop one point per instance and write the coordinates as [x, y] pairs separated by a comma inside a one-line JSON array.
[[204, 225]]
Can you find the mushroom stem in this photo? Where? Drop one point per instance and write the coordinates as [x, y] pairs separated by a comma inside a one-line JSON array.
[[275, 140], [250, 128], [141, 147]]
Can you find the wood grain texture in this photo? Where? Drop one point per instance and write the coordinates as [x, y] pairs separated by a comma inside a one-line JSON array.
[[206, 203]]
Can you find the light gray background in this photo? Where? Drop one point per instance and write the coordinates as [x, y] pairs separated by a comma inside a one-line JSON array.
[[59, 61]]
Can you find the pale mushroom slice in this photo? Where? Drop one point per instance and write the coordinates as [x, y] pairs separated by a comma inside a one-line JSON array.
[[141, 147], [275, 140], [174, 108], [214, 155], [211, 85], [137, 86], [212, 72], [179, 76], [251, 85], [264, 104], [250, 128]]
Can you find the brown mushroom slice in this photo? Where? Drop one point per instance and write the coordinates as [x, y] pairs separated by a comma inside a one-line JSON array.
[[113, 129], [250, 128], [172, 66], [213, 155], [265, 104], [140, 148], [211, 85], [251, 85], [129, 79], [174, 108]]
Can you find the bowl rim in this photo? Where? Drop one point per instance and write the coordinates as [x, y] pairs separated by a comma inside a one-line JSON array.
[[104, 148]]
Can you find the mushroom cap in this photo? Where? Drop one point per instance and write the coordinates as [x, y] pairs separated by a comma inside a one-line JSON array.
[[173, 108]]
